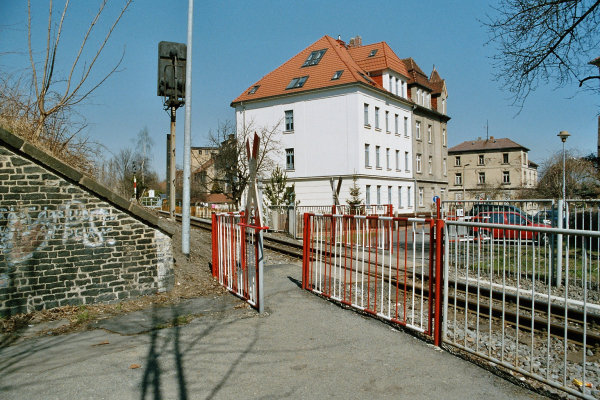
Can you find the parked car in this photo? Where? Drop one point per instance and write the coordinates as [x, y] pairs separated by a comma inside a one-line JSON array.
[[479, 208], [508, 218]]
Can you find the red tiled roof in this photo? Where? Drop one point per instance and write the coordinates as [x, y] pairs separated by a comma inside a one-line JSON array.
[[353, 61], [415, 74], [436, 82], [482, 145]]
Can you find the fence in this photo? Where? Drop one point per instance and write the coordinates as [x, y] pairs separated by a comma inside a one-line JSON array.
[[516, 297], [237, 257], [383, 266]]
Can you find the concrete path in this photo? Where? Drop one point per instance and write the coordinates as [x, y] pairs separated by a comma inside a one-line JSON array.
[[303, 347]]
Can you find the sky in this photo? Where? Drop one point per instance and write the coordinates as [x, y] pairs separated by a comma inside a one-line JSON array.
[[235, 43]]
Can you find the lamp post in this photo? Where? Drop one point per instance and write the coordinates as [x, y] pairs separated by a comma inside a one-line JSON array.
[[464, 181], [563, 135]]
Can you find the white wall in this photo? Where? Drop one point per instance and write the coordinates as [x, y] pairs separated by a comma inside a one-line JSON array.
[[329, 139]]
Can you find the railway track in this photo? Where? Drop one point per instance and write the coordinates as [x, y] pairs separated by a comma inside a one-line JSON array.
[[464, 298]]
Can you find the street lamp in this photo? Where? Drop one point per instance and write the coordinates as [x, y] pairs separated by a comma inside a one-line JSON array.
[[464, 180], [563, 135]]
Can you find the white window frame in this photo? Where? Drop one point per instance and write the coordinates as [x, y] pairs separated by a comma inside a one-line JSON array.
[[421, 196], [418, 130], [290, 166], [377, 157], [289, 120], [430, 166], [368, 195], [367, 155], [387, 158], [409, 196], [378, 195], [366, 114], [406, 162], [397, 160], [418, 162], [400, 205], [458, 178], [377, 118]]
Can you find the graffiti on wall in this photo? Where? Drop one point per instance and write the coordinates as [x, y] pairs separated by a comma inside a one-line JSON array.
[[25, 230]]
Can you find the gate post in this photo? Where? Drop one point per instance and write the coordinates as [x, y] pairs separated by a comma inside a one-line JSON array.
[[439, 245], [259, 270], [305, 249], [215, 248]]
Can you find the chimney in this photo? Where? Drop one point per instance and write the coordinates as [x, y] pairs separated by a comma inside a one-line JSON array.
[[340, 41], [492, 139], [355, 41]]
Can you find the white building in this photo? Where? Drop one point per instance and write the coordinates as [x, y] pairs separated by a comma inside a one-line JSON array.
[[343, 112]]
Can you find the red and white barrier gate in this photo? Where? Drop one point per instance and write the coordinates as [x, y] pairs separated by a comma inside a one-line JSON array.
[[385, 266], [237, 257]]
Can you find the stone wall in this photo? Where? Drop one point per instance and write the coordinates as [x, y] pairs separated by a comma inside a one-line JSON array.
[[66, 240]]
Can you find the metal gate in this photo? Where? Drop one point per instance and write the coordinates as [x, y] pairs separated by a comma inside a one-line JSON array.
[[237, 257], [384, 266]]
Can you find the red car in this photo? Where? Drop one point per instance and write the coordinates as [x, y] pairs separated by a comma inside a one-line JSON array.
[[507, 218]]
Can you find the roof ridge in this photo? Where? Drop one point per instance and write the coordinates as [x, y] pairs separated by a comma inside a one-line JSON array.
[[337, 50]]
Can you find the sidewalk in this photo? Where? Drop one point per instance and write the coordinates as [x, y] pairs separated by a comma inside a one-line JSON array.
[[302, 347]]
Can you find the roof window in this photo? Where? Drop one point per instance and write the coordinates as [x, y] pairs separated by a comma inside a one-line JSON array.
[[254, 89], [314, 58], [337, 75], [373, 52], [366, 78], [297, 82]]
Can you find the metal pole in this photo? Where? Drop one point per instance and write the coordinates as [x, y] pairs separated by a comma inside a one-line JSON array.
[[185, 210], [171, 177], [168, 176]]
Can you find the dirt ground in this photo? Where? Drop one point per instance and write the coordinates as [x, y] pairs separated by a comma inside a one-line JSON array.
[[193, 278]]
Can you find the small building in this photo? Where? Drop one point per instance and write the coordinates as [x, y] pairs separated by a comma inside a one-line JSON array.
[[494, 169]]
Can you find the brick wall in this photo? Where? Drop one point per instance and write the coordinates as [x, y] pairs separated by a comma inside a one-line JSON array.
[[66, 240]]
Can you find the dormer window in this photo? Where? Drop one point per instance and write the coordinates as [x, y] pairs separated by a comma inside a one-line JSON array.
[[297, 82], [373, 52], [254, 89], [314, 58], [337, 75]]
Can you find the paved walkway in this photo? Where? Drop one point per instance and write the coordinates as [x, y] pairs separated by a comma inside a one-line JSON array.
[[303, 347]]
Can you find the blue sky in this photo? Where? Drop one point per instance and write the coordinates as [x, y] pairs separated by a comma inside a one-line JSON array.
[[235, 43]]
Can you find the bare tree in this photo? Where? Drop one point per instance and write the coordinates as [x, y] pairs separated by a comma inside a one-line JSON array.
[[543, 41], [49, 99], [144, 145], [581, 178], [231, 162]]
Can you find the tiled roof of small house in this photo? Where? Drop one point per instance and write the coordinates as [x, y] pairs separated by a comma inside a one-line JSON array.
[[486, 145]]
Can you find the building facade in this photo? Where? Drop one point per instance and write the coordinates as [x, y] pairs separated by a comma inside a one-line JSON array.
[[494, 169], [341, 111]]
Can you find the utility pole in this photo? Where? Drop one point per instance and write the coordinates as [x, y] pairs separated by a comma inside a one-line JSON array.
[[185, 209]]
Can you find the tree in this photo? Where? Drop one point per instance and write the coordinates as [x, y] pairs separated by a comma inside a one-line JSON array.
[[542, 41], [231, 162], [581, 178], [355, 201], [144, 145], [41, 105], [277, 192]]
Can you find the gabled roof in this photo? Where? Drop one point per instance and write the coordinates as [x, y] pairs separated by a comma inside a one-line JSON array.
[[490, 144], [415, 74], [384, 58], [437, 83], [336, 58]]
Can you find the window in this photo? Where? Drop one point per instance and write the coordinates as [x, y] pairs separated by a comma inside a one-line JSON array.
[[418, 158], [481, 178], [297, 82], [444, 167], [420, 196], [397, 160], [430, 166], [367, 151], [289, 159], [406, 165], [458, 179], [254, 89], [444, 136], [505, 158], [457, 161], [391, 83], [377, 158], [314, 58], [337, 75], [418, 133], [387, 121], [378, 194], [366, 114], [406, 126], [480, 160], [373, 52], [396, 87], [396, 124], [389, 195], [429, 138], [376, 117], [387, 158], [368, 195], [443, 106], [505, 177], [289, 120], [409, 196], [399, 196]]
